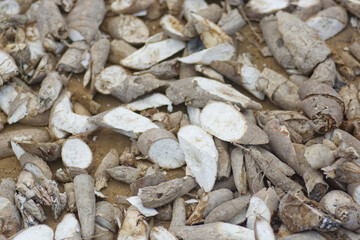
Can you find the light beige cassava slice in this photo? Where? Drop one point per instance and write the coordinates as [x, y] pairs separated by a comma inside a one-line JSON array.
[[76, 153]]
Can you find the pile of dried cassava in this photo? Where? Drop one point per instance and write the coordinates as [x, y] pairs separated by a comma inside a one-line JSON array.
[[246, 172]]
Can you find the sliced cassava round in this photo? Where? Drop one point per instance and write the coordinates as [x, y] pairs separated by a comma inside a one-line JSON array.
[[123, 121], [201, 155], [162, 148], [225, 122], [197, 91], [109, 78], [153, 53], [129, 28], [76, 153]]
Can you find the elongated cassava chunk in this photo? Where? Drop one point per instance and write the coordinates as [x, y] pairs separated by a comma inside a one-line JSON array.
[[201, 155], [109, 161], [197, 91], [68, 228], [123, 121]]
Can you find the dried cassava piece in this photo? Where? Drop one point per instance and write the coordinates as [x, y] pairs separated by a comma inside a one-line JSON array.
[[129, 7], [329, 22], [159, 195], [123, 121], [263, 203], [343, 207], [133, 87], [41, 231], [9, 214], [152, 53], [238, 168], [224, 163], [197, 91], [209, 72], [76, 153], [49, 91], [48, 151], [231, 22], [309, 50], [136, 202], [124, 173], [150, 179], [273, 39], [322, 104], [306, 9], [213, 231], [300, 214], [207, 203], [257, 9], [201, 155], [85, 202], [214, 118], [276, 175], [244, 74], [279, 140], [109, 78], [68, 228], [109, 161], [75, 59], [35, 134], [71, 201], [134, 225], [297, 124], [119, 49], [108, 216], [8, 67], [279, 89], [352, 6], [221, 52], [162, 148], [325, 72], [84, 20], [263, 229], [160, 233], [165, 70], [154, 100], [128, 28], [173, 27]]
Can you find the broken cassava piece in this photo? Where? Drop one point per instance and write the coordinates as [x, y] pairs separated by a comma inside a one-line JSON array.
[[162, 148], [197, 91], [123, 121], [201, 155], [109, 161], [76, 153], [225, 122]]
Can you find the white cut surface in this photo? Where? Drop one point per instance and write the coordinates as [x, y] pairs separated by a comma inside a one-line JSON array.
[[167, 153], [154, 100], [223, 121], [38, 232], [152, 53], [356, 195], [257, 206], [131, 29], [326, 27], [76, 153], [263, 229], [201, 155], [20, 112], [68, 228], [308, 3], [232, 231], [8, 95], [250, 76], [9, 7], [224, 91], [266, 6], [126, 122], [172, 27], [190, 6], [35, 43], [194, 115], [110, 78], [75, 35], [221, 52], [160, 233], [18, 151], [8, 67], [64, 120], [147, 212]]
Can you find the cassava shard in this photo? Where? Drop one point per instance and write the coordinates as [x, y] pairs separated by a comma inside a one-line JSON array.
[[179, 119]]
